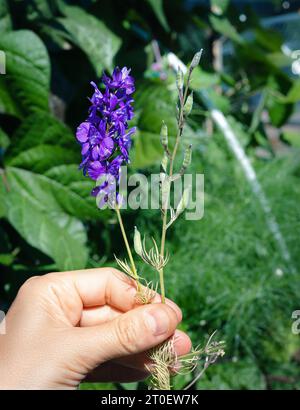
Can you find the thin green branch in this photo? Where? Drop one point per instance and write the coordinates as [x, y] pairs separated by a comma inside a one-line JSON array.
[[182, 100], [133, 267]]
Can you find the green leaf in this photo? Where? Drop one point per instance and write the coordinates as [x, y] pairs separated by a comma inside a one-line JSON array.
[[62, 197], [256, 118], [278, 60], [25, 86], [8, 104], [42, 157], [224, 27], [293, 95], [269, 39], [6, 259], [147, 149], [293, 137], [157, 7], [279, 112], [5, 20], [203, 79], [279, 107], [34, 212], [3, 192], [154, 104], [40, 128], [4, 141], [40, 9], [92, 36], [76, 190]]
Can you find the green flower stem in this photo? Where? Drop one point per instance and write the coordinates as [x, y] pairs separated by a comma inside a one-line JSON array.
[[162, 286], [133, 267], [182, 99]]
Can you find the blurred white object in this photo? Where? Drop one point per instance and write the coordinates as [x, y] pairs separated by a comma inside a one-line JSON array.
[[175, 62], [295, 55]]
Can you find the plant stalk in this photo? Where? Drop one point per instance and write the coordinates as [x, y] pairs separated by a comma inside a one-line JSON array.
[[182, 99], [133, 267]]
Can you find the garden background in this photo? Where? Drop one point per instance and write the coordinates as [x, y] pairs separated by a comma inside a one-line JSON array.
[[233, 270]]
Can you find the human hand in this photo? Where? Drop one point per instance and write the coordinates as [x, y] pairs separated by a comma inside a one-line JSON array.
[[63, 327]]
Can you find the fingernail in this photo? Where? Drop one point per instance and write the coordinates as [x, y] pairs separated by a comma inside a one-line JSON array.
[[158, 321], [170, 303]]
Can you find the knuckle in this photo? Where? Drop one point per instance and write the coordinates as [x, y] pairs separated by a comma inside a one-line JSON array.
[[28, 286], [127, 334], [120, 275]]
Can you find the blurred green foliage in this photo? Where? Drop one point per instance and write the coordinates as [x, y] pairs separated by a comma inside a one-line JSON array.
[[226, 271]]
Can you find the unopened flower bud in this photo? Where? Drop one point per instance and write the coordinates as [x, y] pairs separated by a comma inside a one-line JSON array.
[[188, 105], [196, 59], [164, 135], [137, 240], [179, 79]]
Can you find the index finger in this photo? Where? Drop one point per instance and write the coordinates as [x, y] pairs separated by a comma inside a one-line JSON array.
[[108, 286], [104, 286]]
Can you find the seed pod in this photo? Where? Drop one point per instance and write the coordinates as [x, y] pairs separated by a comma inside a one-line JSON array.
[[183, 203], [179, 79], [188, 105], [164, 163], [164, 135], [186, 159], [137, 240], [196, 59]]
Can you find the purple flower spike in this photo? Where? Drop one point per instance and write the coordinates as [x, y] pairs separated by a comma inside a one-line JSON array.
[[104, 137]]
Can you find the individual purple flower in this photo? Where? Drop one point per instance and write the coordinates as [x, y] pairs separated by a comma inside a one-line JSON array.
[[105, 136], [120, 81]]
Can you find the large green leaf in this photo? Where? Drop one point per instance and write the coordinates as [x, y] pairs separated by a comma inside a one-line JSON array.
[[59, 196], [25, 87], [40, 128], [75, 189], [43, 157], [35, 212], [8, 103], [92, 36]]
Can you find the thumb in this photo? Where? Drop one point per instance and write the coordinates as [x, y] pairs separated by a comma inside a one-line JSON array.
[[132, 332]]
